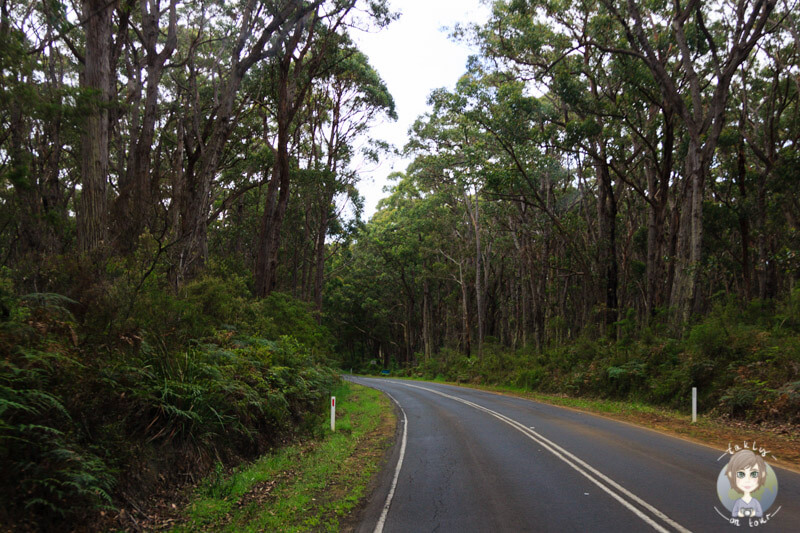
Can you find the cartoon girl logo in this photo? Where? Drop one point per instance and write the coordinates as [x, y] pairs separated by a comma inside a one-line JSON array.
[[747, 486], [746, 473]]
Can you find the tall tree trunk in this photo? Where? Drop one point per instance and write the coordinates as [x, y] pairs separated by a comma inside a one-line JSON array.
[[465, 329], [685, 287], [703, 119], [289, 100], [480, 300], [426, 319], [134, 203], [674, 246], [192, 199], [292, 17], [607, 249], [319, 271], [763, 258], [277, 198], [524, 301], [655, 245], [658, 177], [744, 225], [695, 303], [408, 330], [326, 204], [92, 207]]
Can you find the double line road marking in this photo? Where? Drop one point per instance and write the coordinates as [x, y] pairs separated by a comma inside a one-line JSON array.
[[605, 483]]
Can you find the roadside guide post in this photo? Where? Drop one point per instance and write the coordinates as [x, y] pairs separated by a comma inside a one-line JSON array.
[[333, 413], [694, 405]]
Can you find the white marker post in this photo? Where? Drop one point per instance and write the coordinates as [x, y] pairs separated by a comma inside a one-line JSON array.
[[333, 413], [694, 405]]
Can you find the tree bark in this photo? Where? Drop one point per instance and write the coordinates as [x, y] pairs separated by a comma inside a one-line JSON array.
[[197, 194], [319, 271], [658, 173], [744, 225], [92, 208], [607, 236], [426, 319], [134, 203], [277, 198], [289, 100], [474, 216]]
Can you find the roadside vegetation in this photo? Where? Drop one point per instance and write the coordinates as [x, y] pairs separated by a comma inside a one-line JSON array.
[[99, 414], [744, 362], [174, 178], [310, 486], [603, 206]]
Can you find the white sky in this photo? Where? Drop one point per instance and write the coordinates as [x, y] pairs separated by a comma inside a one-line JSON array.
[[413, 55]]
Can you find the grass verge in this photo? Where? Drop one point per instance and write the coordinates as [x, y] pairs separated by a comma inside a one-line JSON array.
[[783, 442], [311, 486]]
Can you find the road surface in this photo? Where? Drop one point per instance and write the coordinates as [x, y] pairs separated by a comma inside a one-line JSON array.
[[469, 460]]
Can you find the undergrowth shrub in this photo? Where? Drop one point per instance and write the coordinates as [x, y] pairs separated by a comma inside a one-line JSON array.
[[173, 383], [744, 360], [530, 379], [47, 471]]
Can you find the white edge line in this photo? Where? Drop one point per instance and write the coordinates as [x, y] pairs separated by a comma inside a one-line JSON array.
[[388, 503], [554, 448]]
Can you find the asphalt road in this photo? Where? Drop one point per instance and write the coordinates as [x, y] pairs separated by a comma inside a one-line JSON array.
[[468, 460]]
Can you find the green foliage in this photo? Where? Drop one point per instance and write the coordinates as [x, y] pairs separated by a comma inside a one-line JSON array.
[[217, 485], [530, 378], [205, 373], [745, 361], [281, 313], [737, 400], [710, 340], [48, 471], [300, 478]]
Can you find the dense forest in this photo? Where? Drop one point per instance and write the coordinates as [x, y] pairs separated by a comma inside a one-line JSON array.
[[605, 204], [174, 176]]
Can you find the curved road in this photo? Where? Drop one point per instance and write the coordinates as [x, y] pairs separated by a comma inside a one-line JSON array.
[[469, 460]]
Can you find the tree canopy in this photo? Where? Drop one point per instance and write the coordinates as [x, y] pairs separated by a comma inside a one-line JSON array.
[[597, 162]]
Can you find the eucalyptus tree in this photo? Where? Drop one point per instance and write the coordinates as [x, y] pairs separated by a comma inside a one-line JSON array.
[[149, 43], [713, 41], [452, 160], [394, 236], [344, 104], [361, 295], [308, 54], [40, 109], [375, 296], [251, 32], [605, 110], [691, 53], [762, 144], [554, 60], [526, 166], [92, 209]]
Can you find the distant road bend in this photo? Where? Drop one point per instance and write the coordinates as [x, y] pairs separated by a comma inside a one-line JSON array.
[[470, 460]]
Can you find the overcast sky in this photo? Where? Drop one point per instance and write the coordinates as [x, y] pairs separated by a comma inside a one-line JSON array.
[[413, 55]]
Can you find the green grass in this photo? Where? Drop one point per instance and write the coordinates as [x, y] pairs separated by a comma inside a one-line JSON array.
[[597, 405], [593, 404], [308, 486]]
